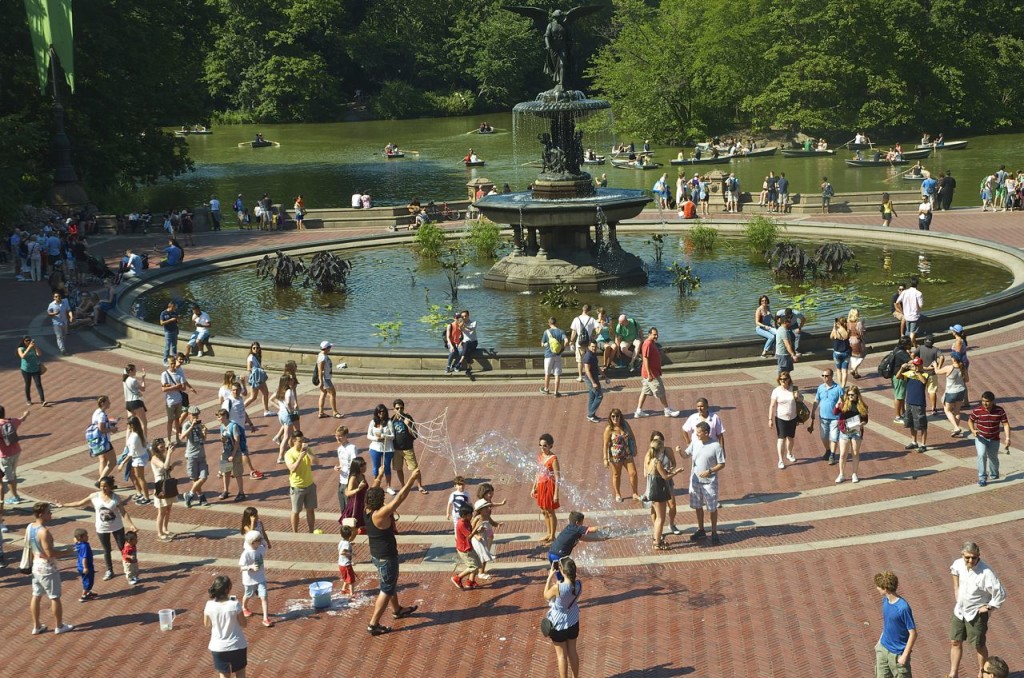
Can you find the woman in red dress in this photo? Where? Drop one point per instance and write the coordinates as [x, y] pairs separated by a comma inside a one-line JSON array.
[[545, 486]]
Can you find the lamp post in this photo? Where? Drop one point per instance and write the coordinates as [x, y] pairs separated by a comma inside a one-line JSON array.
[[67, 193]]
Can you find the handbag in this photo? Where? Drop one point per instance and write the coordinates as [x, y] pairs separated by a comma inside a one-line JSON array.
[[25, 566], [166, 488], [803, 413], [42, 370], [546, 626]]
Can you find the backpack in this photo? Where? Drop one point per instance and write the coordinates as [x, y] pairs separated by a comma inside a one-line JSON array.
[[584, 334], [95, 440], [316, 376], [554, 343], [8, 433], [887, 367], [829, 191]]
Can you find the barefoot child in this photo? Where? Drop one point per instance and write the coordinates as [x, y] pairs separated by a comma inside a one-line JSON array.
[[348, 575], [458, 498], [85, 566], [254, 576], [130, 557], [470, 561], [483, 528]]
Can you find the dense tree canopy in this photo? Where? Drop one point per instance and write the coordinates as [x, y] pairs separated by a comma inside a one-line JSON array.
[[673, 70]]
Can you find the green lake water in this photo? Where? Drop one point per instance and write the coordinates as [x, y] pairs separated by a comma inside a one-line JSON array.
[[326, 163]]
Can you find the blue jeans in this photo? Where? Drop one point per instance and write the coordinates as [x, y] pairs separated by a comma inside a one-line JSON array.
[[170, 345], [769, 336], [988, 457], [466, 354], [796, 341], [378, 458], [453, 357], [594, 397]]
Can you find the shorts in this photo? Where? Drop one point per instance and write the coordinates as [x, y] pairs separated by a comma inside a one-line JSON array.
[[46, 585], [899, 388], [303, 497], [828, 429], [140, 462], [973, 631], [653, 387], [133, 405], [786, 429], [915, 418], [932, 385], [410, 459], [955, 397], [327, 383], [257, 590], [173, 411], [571, 633], [705, 494], [784, 362], [347, 574], [199, 336], [9, 466], [196, 468], [783, 198], [161, 502], [230, 661], [387, 570], [233, 468], [912, 326], [841, 360], [469, 560], [553, 365], [284, 418], [852, 435]]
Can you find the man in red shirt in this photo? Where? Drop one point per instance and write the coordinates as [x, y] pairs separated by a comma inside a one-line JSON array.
[[984, 424], [650, 376]]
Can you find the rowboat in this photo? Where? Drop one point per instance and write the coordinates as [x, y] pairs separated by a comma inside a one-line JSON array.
[[478, 163], [187, 132], [801, 153], [911, 177], [859, 147], [396, 154], [262, 143], [919, 154], [876, 163], [598, 160], [946, 146], [626, 164], [756, 153], [720, 160], [621, 155]]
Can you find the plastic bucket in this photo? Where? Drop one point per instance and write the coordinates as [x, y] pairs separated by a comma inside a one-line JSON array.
[[320, 593], [167, 620]]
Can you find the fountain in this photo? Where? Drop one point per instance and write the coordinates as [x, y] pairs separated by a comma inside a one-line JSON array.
[[564, 229]]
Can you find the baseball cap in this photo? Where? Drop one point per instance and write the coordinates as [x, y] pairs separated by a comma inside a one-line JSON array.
[[481, 503], [193, 410], [325, 344], [917, 361], [958, 328], [781, 312]]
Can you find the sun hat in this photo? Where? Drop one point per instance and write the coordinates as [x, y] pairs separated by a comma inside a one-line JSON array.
[[193, 410], [325, 344], [480, 504]]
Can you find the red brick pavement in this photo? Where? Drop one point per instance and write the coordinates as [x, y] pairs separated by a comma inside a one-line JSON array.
[[788, 593]]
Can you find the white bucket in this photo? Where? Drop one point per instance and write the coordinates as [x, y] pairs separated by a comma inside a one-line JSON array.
[[167, 619], [320, 593]]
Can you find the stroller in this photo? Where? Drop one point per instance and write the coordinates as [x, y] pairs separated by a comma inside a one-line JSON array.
[[97, 267]]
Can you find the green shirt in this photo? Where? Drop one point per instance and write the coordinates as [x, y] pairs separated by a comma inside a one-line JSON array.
[[30, 363], [628, 332]]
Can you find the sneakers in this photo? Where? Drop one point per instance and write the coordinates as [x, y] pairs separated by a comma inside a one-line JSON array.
[[3, 527], [108, 576], [378, 630], [854, 479], [839, 478], [458, 582], [910, 446], [698, 535], [200, 354], [557, 394], [133, 581], [63, 628], [391, 491], [781, 465], [671, 413], [224, 495], [640, 413], [676, 530], [715, 541], [188, 500], [982, 482], [544, 391], [828, 455], [594, 420], [268, 413], [472, 584], [202, 500], [897, 420], [39, 629], [832, 459], [240, 496], [922, 448], [579, 379], [790, 457]]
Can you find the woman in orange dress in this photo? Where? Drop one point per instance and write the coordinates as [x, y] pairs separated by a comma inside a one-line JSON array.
[[545, 486]]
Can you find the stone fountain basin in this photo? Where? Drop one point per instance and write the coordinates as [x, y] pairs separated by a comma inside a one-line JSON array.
[[522, 208]]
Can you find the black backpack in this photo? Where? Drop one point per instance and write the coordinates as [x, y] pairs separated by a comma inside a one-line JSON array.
[[8, 433], [584, 338], [887, 367]]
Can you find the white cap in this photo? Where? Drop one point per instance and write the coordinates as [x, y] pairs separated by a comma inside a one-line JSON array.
[[325, 344], [251, 536], [480, 503]]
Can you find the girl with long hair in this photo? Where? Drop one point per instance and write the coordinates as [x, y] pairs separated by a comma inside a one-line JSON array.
[[852, 413]]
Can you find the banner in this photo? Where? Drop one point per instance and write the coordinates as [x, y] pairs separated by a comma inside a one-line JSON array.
[[49, 21]]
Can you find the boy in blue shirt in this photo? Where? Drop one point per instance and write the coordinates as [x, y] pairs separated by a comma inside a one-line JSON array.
[[85, 566], [899, 632]]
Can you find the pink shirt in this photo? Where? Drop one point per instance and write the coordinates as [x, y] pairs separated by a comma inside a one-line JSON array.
[[12, 450]]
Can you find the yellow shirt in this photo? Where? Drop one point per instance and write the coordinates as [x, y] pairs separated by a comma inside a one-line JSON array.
[[302, 476]]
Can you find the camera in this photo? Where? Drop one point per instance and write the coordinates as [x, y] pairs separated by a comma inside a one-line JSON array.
[[555, 566]]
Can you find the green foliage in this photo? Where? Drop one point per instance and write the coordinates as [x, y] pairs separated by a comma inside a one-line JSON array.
[[453, 263], [560, 295], [282, 268], [327, 272], [832, 256], [658, 241], [702, 237], [485, 237], [437, 315], [389, 331], [430, 239], [684, 278], [398, 99], [761, 233]]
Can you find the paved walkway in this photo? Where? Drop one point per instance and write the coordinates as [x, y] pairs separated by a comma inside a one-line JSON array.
[[788, 593]]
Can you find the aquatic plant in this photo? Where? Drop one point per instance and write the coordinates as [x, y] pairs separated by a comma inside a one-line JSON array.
[[430, 240], [560, 295], [389, 331], [658, 242], [832, 256], [761, 233], [684, 278], [282, 268], [702, 238], [788, 259], [485, 237], [453, 263], [327, 272]]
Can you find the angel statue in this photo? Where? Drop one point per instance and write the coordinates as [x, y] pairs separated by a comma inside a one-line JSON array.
[[557, 37]]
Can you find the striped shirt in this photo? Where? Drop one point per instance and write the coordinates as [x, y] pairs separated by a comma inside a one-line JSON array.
[[564, 610], [987, 424]]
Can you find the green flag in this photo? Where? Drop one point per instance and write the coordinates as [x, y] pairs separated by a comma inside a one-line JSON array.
[[50, 24]]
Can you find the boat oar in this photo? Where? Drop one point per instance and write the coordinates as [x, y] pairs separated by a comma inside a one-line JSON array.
[[405, 151], [849, 142]]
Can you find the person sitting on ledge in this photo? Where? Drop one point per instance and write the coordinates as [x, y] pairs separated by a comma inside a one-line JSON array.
[[414, 206], [173, 254]]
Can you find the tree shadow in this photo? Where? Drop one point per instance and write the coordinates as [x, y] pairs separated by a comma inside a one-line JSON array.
[[659, 671]]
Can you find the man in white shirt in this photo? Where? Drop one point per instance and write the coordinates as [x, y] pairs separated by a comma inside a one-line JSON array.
[[132, 264], [347, 452], [215, 212], [909, 303], [580, 339], [60, 312], [716, 431], [708, 459], [201, 336], [978, 592], [357, 200]]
